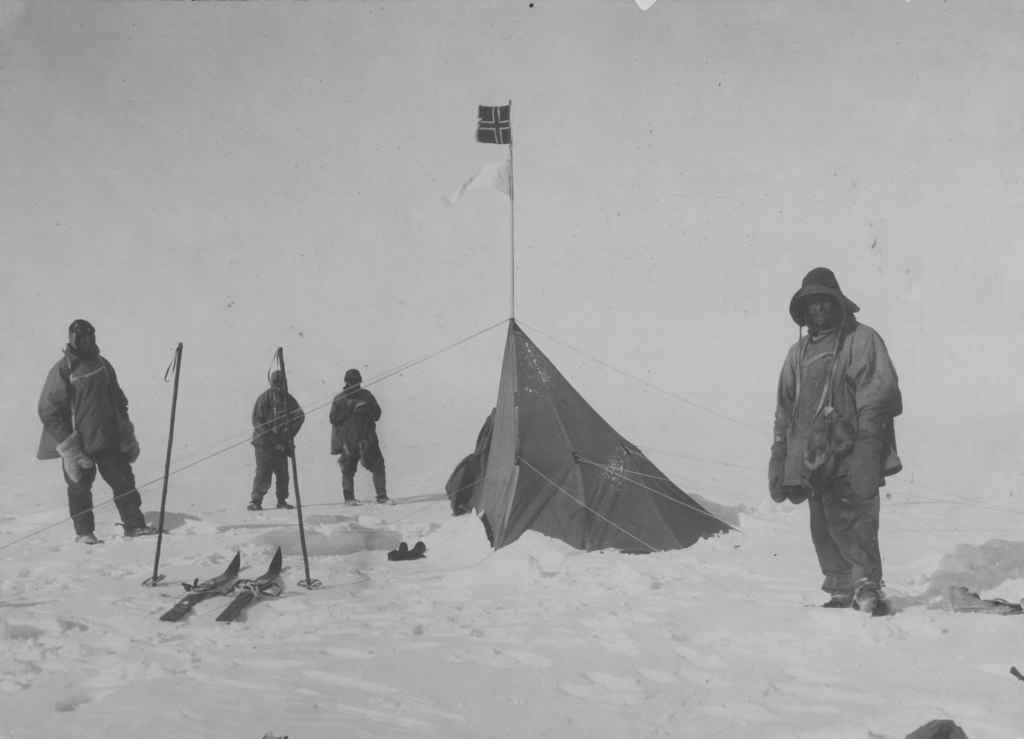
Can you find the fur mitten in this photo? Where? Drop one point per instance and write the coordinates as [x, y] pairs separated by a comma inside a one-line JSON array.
[[129, 445], [72, 456]]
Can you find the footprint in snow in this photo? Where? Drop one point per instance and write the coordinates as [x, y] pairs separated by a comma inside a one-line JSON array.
[[700, 659], [606, 688], [499, 658]]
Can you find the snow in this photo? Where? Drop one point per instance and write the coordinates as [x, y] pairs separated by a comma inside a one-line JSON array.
[[239, 177], [537, 639]]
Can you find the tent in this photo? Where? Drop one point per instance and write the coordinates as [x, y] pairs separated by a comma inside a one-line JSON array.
[[546, 461]]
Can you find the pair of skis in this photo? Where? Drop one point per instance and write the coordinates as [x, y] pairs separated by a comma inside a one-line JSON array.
[[247, 591]]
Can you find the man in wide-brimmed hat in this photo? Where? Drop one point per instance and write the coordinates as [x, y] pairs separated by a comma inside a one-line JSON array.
[[834, 441]]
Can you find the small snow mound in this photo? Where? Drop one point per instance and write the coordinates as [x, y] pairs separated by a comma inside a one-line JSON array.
[[548, 554]]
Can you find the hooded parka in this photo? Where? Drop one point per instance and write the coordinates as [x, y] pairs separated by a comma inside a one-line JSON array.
[[81, 394]]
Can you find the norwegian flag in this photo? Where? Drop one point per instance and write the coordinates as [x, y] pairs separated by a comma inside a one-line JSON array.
[[495, 124]]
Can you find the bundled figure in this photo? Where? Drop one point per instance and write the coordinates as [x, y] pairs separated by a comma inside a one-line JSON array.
[[834, 441], [86, 425], [354, 415], [276, 419]]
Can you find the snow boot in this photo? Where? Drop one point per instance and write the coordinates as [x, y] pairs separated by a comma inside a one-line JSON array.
[[143, 530], [839, 600], [869, 599]]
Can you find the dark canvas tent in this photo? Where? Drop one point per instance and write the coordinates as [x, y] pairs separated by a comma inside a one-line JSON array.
[[546, 461]]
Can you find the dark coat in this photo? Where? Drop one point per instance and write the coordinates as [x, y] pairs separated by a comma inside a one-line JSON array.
[[81, 394], [354, 415], [275, 419], [865, 392]]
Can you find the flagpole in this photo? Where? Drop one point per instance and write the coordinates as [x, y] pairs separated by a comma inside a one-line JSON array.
[[512, 214]]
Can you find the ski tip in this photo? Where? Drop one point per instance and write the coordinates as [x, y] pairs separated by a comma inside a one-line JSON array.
[[236, 563], [277, 558]]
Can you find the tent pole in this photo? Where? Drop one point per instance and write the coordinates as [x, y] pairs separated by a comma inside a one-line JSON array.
[[512, 209]]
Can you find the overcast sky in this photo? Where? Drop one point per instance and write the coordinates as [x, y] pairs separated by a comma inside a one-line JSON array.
[[243, 176]]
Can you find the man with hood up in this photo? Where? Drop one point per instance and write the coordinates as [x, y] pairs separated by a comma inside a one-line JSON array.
[[276, 419], [354, 415], [834, 440], [85, 424]]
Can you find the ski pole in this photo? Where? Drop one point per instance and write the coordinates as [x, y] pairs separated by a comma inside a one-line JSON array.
[[309, 583], [176, 366]]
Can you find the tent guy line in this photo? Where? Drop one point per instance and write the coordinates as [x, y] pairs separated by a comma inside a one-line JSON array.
[[579, 501], [243, 437], [627, 533], [648, 384], [660, 478]]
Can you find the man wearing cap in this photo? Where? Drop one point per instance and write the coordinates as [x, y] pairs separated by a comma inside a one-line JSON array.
[[86, 425], [834, 441], [276, 419], [354, 415]]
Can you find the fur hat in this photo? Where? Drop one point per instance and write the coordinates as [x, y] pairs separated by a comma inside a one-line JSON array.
[[819, 281], [352, 377], [79, 328]]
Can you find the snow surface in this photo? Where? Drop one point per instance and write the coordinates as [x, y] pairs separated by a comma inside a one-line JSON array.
[[534, 640], [245, 176]]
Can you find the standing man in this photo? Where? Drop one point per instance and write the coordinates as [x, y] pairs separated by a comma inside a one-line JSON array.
[[834, 441], [354, 416], [85, 424], [276, 419]]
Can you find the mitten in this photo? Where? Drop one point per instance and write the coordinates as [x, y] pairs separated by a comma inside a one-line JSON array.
[[777, 472], [865, 467], [129, 445], [72, 456]]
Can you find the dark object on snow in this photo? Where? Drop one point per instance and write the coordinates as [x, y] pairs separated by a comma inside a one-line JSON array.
[[468, 475], [249, 591], [1016, 673], [200, 591], [554, 466], [404, 552], [963, 600], [938, 729]]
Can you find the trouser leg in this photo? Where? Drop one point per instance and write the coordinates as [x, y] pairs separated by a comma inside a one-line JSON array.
[[845, 537], [264, 469], [380, 484], [281, 475], [348, 476], [80, 501], [117, 472], [373, 460]]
